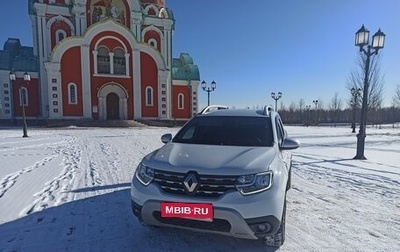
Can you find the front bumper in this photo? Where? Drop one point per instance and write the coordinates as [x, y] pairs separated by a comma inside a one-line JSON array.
[[234, 214], [226, 222]]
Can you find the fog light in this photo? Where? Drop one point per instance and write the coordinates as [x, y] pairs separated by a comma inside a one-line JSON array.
[[264, 227]]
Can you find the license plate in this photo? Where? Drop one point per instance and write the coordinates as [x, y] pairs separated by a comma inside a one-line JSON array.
[[196, 211]]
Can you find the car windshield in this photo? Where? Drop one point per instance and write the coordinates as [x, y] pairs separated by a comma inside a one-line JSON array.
[[226, 130]]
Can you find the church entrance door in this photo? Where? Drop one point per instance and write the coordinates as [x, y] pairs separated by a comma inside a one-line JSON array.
[[112, 106]]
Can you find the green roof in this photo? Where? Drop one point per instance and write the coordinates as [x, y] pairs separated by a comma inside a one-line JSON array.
[[184, 69]]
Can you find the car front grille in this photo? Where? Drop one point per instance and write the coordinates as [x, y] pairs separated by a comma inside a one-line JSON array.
[[209, 186]]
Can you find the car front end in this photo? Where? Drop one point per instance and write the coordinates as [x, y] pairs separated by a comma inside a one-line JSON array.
[[242, 202]]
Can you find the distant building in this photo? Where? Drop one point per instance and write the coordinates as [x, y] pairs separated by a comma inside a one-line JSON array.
[[100, 59]]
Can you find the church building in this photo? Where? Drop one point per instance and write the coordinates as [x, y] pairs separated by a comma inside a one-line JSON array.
[[101, 60]]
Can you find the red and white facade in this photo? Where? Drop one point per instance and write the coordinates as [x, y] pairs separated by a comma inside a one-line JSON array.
[[109, 59]]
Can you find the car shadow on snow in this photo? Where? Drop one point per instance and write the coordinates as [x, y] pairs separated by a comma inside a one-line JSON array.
[[105, 223]]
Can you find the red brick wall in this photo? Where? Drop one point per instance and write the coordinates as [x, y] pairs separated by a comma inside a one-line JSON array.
[[153, 35], [149, 77], [59, 25], [98, 81], [180, 113], [71, 72], [32, 109]]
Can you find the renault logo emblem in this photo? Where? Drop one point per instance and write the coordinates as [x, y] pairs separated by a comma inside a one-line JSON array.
[[191, 182]]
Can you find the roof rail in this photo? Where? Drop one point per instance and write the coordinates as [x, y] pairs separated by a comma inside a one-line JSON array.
[[212, 107], [267, 110]]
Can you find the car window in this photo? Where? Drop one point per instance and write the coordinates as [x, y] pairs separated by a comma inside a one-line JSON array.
[[226, 130]]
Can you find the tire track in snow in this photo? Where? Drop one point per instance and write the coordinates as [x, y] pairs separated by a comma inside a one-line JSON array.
[[337, 208], [382, 185], [103, 164]]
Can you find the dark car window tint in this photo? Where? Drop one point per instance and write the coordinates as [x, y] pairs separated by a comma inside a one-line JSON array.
[[225, 130]]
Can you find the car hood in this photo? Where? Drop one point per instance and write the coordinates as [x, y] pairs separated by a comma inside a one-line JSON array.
[[212, 159]]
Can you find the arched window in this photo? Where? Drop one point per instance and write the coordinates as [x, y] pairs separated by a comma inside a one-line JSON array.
[[153, 42], [103, 61], [181, 100], [60, 35], [119, 62], [72, 94], [23, 94], [149, 96]]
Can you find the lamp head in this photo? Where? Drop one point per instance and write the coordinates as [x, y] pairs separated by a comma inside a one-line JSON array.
[[378, 40], [12, 76], [362, 37], [203, 85], [27, 77], [213, 85]]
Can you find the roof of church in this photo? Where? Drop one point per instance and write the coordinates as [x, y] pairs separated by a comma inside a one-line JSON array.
[[17, 57], [184, 69]]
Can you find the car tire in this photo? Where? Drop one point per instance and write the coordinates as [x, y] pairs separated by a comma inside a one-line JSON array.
[[278, 238]]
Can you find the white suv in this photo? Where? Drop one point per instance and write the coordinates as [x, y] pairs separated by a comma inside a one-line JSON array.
[[226, 171]]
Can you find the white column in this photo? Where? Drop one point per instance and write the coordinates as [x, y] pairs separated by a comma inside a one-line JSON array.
[[54, 73], [195, 97], [41, 10], [86, 85], [35, 35], [169, 96], [137, 105], [164, 46], [80, 18], [163, 79], [136, 20], [95, 61], [111, 54], [168, 54], [126, 64]]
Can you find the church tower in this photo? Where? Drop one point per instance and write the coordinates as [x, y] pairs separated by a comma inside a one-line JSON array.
[[110, 59]]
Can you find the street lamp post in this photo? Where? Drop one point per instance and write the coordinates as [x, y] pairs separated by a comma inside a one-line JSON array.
[[378, 39], [12, 80], [24, 98], [276, 97], [316, 111], [355, 92], [208, 89]]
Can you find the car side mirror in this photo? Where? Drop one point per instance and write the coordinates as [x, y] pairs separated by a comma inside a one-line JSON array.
[[166, 138], [290, 144]]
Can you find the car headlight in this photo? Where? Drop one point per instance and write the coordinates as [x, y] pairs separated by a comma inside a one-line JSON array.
[[254, 183], [144, 174]]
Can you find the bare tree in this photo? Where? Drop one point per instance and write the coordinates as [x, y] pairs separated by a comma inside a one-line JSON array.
[[336, 106], [396, 97], [375, 77], [320, 104], [282, 106], [302, 105]]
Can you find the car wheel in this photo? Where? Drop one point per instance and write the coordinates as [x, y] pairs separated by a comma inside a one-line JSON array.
[[279, 237]]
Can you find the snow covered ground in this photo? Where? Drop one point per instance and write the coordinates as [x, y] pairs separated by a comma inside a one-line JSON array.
[[68, 190]]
